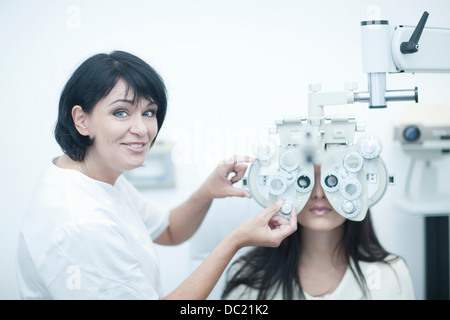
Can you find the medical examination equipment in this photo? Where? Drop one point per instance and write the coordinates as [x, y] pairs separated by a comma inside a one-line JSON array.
[[423, 133], [353, 175], [387, 49]]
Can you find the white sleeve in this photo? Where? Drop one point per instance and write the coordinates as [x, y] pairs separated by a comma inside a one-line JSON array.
[[156, 218], [92, 261]]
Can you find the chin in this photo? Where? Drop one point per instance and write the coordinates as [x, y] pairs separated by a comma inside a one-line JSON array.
[[133, 164]]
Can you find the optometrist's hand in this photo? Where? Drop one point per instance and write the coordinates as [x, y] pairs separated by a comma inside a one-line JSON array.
[[266, 228], [220, 185]]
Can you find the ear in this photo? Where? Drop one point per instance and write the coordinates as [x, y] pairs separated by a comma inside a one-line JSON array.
[[80, 119]]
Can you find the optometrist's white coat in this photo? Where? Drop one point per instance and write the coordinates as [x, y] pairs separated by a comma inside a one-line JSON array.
[[86, 239]]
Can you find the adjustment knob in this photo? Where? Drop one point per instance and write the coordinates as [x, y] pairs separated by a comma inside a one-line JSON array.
[[289, 160], [276, 185], [369, 147], [353, 162], [351, 189], [348, 207], [264, 150], [286, 208]]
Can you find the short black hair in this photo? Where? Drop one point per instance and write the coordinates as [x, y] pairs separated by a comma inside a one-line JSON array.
[[92, 81]]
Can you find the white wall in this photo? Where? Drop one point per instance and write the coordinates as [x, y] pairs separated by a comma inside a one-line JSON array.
[[231, 68]]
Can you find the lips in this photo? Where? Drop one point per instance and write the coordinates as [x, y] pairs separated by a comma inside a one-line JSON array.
[[136, 147], [320, 210]]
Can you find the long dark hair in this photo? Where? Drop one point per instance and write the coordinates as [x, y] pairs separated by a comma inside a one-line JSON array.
[[265, 269]]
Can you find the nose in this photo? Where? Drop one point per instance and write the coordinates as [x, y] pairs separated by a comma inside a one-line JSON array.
[[317, 191], [138, 126]]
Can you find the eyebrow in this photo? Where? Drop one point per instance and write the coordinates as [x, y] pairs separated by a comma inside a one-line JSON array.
[[130, 102]]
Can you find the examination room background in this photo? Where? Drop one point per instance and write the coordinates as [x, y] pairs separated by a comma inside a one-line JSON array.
[[231, 68]]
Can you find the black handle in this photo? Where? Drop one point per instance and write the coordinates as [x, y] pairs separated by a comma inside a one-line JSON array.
[[413, 44]]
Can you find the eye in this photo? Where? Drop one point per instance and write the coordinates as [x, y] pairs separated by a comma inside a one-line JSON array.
[[120, 113], [149, 113]]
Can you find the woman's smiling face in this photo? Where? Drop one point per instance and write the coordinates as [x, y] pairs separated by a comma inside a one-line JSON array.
[[123, 128]]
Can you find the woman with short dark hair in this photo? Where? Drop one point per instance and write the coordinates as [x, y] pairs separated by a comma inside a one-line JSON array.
[[88, 233], [95, 79]]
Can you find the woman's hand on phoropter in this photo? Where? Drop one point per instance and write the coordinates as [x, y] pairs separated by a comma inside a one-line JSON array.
[[266, 229], [219, 185]]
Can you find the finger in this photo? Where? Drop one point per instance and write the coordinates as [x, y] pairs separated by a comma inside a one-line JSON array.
[[289, 228], [239, 169], [239, 159], [277, 221], [272, 210], [288, 225], [293, 218], [236, 192]]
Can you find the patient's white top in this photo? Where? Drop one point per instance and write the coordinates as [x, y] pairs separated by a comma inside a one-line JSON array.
[[385, 281], [86, 239]]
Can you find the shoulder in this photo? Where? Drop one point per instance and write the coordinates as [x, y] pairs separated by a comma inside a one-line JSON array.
[[65, 195], [388, 279], [392, 265], [127, 189], [65, 187], [61, 208]]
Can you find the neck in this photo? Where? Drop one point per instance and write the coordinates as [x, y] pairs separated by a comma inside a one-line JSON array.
[[322, 248], [89, 168], [98, 171]]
